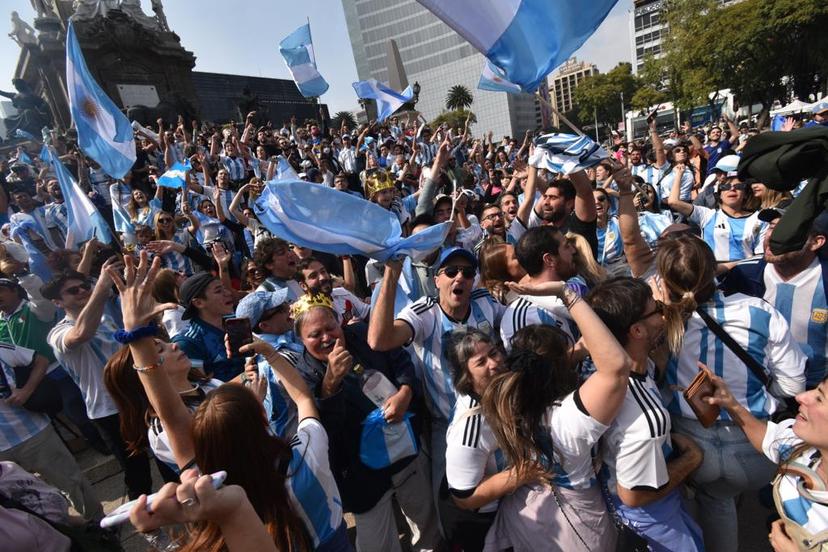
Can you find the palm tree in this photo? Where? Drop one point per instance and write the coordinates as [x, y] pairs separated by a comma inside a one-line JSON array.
[[458, 97], [343, 116]]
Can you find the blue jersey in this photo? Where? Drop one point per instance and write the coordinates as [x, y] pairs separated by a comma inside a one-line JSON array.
[[176, 261], [205, 343], [730, 238], [610, 245], [279, 407], [652, 225]]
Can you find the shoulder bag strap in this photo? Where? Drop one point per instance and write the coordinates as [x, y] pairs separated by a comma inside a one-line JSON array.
[[737, 349]]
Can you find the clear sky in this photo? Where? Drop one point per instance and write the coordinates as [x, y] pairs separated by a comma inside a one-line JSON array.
[[241, 37]]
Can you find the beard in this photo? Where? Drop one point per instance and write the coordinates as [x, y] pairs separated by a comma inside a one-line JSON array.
[[553, 216], [785, 258]]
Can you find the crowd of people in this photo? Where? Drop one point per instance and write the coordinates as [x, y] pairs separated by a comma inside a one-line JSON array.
[[532, 384]]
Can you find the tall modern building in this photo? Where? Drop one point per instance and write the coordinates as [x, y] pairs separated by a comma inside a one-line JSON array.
[[563, 83], [434, 56]]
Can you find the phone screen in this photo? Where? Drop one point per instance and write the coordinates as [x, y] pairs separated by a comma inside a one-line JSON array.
[[239, 333]]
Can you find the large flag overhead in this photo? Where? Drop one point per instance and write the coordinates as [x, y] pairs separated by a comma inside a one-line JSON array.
[[493, 79], [83, 221], [104, 133], [525, 38], [566, 153], [388, 100], [331, 221], [297, 49]]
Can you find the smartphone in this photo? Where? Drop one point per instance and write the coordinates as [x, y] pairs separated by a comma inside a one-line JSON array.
[[121, 514], [239, 333]]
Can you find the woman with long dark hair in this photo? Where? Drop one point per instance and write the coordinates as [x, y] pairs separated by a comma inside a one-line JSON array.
[[541, 420]]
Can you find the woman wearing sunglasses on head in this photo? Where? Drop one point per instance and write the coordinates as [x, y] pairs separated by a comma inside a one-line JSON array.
[[731, 232]]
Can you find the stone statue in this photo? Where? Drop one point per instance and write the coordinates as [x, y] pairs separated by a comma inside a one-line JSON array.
[[32, 111], [22, 32], [43, 8], [133, 9], [158, 8], [89, 9]]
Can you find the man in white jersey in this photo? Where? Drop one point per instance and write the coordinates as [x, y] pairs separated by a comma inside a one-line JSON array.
[[315, 278], [645, 464], [546, 256], [796, 284], [425, 324]]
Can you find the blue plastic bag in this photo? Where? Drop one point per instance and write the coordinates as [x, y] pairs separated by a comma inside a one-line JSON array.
[[382, 444]]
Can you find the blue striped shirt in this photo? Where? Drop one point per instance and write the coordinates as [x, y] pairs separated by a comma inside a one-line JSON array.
[[17, 425], [730, 238]]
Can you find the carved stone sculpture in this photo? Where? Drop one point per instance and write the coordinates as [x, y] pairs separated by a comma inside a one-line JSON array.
[[21, 32]]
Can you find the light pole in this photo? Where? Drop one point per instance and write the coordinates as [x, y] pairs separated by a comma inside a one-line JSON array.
[[623, 117]]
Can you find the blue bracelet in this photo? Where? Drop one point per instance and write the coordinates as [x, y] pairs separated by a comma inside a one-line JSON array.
[[124, 337]]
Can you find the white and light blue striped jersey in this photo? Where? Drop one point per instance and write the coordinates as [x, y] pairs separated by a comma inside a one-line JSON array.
[[761, 331], [431, 327], [798, 507], [57, 217], [226, 199], [802, 302], [528, 310], [652, 225], [688, 180], [17, 424], [177, 261], [279, 407], [311, 484], [610, 244], [648, 173], [574, 433], [146, 216], [472, 452], [730, 238], [235, 167]]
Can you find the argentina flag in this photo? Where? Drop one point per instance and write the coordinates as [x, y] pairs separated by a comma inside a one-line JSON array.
[[388, 100], [326, 220], [297, 50], [493, 79], [176, 177], [525, 38], [83, 221], [104, 133], [566, 153]]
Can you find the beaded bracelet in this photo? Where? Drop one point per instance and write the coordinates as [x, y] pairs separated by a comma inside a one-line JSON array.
[[125, 337]]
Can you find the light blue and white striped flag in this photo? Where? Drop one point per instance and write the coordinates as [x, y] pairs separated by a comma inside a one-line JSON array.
[[326, 220], [493, 79], [566, 153], [284, 170], [176, 177], [104, 133], [83, 221], [525, 38], [297, 49], [388, 100]]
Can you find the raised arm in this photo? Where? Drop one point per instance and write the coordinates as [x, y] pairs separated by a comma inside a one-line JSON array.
[[639, 255], [584, 200], [235, 204], [528, 203], [385, 333], [674, 201], [87, 322], [658, 145]]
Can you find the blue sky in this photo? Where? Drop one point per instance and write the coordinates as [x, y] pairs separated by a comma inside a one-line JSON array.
[[241, 37]]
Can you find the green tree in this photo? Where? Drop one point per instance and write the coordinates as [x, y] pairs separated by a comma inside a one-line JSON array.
[[454, 119], [600, 95], [458, 97], [343, 116], [647, 96]]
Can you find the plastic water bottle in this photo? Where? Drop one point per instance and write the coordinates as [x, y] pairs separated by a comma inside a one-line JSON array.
[[375, 385]]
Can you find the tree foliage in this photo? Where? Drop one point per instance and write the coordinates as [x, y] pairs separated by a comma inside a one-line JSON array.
[[763, 50], [343, 116], [458, 97], [600, 95], [454, 119]]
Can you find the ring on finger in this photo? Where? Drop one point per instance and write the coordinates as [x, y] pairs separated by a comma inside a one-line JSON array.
[[188, 501]]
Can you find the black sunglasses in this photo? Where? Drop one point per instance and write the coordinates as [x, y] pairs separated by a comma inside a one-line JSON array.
[[452, 271], [659, 309], [74, 290], [725, 187]]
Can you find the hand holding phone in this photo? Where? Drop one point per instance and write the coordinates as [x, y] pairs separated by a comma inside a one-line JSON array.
[[239, 333]]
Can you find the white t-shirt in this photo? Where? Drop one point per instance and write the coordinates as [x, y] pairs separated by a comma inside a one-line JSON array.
[[472, 453], [85, 363], [636, 445], [346, 302], [173, 322], [429, 326]]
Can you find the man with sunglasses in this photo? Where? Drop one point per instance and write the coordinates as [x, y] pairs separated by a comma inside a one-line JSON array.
[[83, 343], [643, 475], [730, 231], [425, 324]]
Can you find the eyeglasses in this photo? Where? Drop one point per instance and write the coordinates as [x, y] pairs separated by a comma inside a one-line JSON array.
[[727, 186], [74, 290], [452, 271], [679, 150], [493, 216], [659, 310], [165, 221]]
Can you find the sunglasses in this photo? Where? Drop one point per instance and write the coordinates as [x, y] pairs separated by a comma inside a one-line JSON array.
[[74, 290], [659, 309], [452, 271], [736, 187]]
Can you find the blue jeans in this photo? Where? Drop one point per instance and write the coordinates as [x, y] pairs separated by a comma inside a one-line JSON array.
[[731, 466]]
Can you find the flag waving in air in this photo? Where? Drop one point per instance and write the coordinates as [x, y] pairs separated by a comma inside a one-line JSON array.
[[83, 221], [493, 79], [297, 49], [104, 133], [176, 176], [525, 38], [388, 100]]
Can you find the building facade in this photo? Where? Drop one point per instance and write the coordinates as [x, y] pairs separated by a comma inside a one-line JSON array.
[[563, 83], [436, 57]]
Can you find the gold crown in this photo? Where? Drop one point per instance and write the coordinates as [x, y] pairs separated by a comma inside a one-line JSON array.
[[376, 182], [307, 302]]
